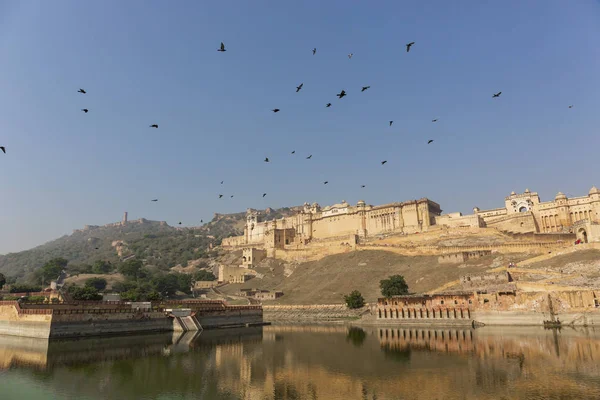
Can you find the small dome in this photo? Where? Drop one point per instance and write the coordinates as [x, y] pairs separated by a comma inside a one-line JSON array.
[[594, 190], [361, 203], [512, 193], [527, 191], [560, 196]]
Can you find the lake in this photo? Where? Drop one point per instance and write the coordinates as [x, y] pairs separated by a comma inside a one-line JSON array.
[[309, 362]]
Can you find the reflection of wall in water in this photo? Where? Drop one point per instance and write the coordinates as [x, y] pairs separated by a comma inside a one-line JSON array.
[[442, 340]]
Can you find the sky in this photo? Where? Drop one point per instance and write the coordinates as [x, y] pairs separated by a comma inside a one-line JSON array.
[[155, 62]]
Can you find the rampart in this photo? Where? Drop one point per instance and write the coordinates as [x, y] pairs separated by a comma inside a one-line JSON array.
[[290, 314]]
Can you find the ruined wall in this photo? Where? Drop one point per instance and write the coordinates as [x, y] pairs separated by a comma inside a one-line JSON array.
[[309, 313], [515, 223], [457, 220]]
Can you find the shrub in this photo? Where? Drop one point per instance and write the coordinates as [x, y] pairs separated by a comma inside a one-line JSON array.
[[395, 285], [36, 299], [84, 293], [24, 288], [102, 267], [354, 300], [204, 275]]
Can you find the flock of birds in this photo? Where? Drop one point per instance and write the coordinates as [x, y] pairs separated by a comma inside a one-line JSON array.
[[340, 95]]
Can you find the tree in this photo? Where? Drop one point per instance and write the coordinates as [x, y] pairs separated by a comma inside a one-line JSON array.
[[102, 267], [2, 280], [84, 293], [24, 288], [97, 283], [354, 300], [204, 275], [52, 269], [132, 269], [184, 283], [166, 284], [395, 285]]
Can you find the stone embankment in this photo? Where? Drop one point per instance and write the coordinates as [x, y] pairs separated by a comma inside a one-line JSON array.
[[311, 313]]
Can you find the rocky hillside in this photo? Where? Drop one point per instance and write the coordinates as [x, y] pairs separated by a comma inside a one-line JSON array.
[[155, 242]]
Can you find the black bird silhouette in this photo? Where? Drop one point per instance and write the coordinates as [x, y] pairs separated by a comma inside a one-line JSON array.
[[328, 105], [267, 159], [383, 162], [430, 140], [154, 126], [222, 182], [408, 46], [294, 152], [364, 88], [299, 87], [3, 149], [434, 120], [314, 51], [309, 157], [222, 47], [362, 186], [81, 91], [154, 200], [264, 194], [97, 248], [179, 222], [85, 110], [497, 94], [275, 110], [201, 221], [231, 197], [570, 106], [325, 183], [341, 94], [350, 55], [391, 122], [220, 195]]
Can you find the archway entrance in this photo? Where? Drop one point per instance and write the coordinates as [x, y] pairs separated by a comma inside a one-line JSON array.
[[582, 235]]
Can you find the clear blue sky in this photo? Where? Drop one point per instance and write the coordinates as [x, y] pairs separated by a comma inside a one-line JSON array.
[[145, 62]]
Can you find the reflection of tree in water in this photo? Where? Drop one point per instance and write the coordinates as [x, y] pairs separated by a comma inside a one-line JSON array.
[[356, 336], [285, 391], [396, 354]]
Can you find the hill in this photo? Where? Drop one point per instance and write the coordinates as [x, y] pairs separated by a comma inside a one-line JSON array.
[[155, 242]]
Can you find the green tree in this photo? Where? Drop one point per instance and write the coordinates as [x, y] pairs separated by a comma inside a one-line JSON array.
[[102, 267], [395, 285], [354, 300], [120, 287], [97, 283], [24, 288], [184, 282], [84, 293], [166, 284], [204, 275], [132, 269], [52, 269], [2, 280]]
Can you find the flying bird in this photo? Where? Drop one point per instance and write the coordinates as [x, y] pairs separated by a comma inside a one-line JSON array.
[[362, 186], [430, 140], [201, 221], [222, 47], [154, 126], [3, 149], [408, 46], [365, 88], [81, 91], [154, 200], [325, 183], [314, 51], [309, 157], [264, 194], [341, 94], [220, 195], [299, 87], [570, 106], [328, 105], [275, 110], [350, 55], [85, 110], [267, 159], [391, 122], [231, 197], [294, 152], [383, 162], [179, 222], [497, 94], [434, 120], [222, 182]]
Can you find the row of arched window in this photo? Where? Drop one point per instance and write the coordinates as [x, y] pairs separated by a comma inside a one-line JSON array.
[[424, 313]]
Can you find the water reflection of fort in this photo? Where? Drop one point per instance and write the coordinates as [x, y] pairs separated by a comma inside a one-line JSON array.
[[439, 340]]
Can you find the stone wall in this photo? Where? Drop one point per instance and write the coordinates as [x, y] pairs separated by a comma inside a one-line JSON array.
[[19, 322], [310, 313]]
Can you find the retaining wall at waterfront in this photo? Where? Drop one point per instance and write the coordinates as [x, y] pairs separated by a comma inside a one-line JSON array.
[[310, 313]]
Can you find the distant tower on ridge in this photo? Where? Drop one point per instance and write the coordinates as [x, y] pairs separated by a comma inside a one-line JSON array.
[[124, 222]]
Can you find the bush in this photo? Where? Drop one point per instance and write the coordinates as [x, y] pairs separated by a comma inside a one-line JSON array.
[[36, 299], [354, 300], [54, 300], [24, 288], [2, 280], [102, 267], [10, 298], [395, 285], [97, 283]]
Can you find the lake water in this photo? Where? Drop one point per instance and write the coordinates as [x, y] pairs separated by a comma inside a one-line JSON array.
[[309, 362]]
